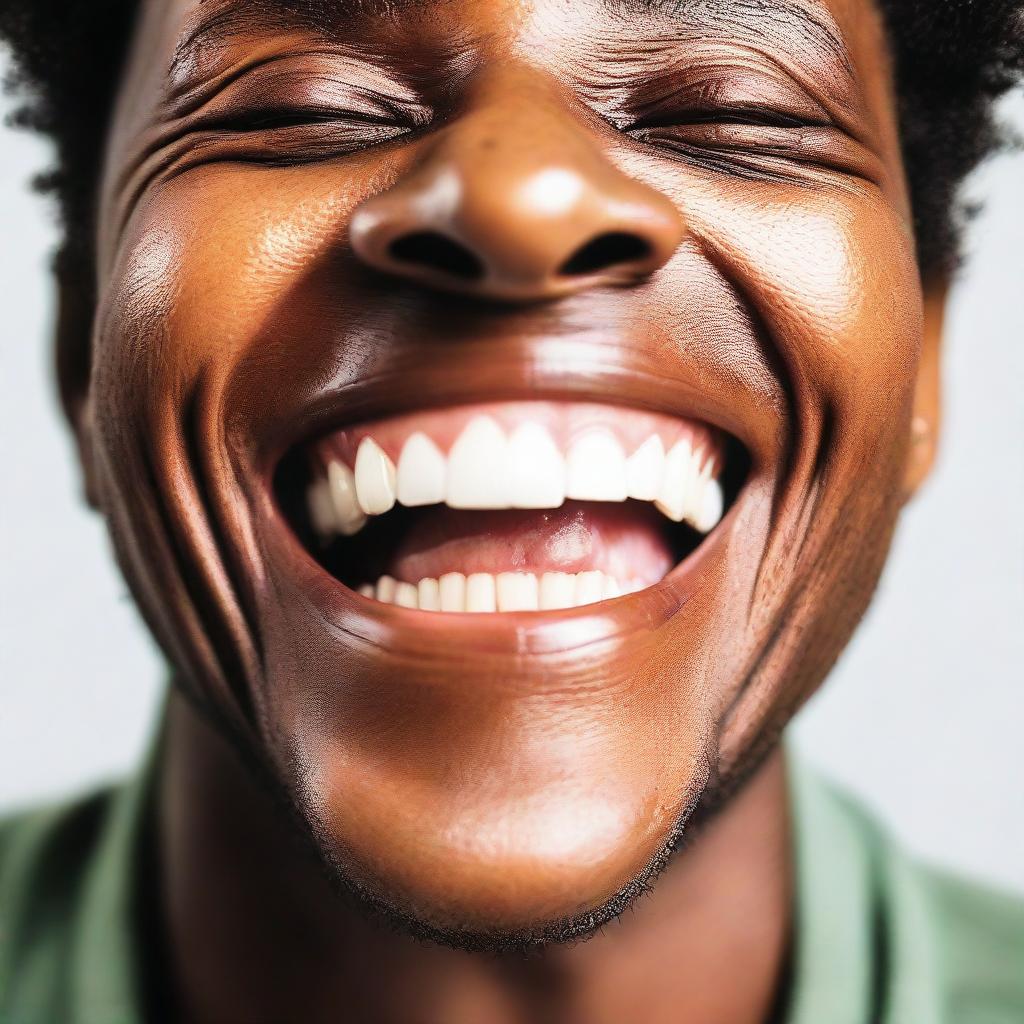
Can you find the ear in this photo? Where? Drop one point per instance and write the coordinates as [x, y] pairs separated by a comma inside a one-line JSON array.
[[926, 422], [72, 351]]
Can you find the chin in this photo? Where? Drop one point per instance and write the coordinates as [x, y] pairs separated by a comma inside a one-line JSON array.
[[480, 872], [485, 705]]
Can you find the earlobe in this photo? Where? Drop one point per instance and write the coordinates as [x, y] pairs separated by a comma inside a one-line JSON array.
[[926, 420]]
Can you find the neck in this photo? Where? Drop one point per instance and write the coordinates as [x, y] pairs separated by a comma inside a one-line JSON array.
[[256, 934]]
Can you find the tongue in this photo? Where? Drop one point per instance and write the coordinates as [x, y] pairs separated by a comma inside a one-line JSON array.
[[629, 542]]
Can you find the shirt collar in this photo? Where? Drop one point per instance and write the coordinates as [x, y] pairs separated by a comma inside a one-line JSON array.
[[107, 944], [864, 948]]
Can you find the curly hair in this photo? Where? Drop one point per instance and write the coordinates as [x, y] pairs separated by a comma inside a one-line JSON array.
[[953, 60]]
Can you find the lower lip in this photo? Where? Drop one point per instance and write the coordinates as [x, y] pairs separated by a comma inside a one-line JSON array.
[[411, 633]]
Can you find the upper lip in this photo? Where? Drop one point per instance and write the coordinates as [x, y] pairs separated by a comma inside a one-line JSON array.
[[378, 348], [442, 383]]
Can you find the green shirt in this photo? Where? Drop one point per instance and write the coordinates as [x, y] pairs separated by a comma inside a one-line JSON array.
[[879, 939]]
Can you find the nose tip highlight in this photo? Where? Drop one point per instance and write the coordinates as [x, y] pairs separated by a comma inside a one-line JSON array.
[[528, 225]]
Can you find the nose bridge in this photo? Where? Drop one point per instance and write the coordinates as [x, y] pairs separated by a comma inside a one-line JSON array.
[[517, 200], [535, 180], [523, 124]]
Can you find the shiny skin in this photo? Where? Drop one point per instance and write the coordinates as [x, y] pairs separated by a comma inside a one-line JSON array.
[[522, 777]]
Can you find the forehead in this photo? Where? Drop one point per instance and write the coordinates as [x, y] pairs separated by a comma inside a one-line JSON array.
[[829, 32], [813, 20]]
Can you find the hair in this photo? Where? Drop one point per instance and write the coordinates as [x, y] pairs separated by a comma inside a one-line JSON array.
[[953, 59]]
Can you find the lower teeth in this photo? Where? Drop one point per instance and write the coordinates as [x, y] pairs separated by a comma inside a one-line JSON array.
[[501, 592]]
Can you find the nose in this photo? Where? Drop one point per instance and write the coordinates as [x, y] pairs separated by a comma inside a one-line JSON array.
[[517, 203]]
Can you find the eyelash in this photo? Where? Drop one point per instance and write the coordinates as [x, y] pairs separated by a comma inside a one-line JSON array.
[[296, 117], [755, 117], [271, 118], [707, 137], [292, 135]]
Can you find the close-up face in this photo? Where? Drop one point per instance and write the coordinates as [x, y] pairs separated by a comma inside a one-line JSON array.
[[501, 410]]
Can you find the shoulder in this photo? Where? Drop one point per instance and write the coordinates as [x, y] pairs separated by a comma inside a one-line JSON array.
[[45, 850], [978, 941], [45, 857], [43, 826], [46, 844], [960, 937], [943, 948]]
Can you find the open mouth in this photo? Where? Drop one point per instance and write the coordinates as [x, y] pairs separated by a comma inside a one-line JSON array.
[[508, 507]]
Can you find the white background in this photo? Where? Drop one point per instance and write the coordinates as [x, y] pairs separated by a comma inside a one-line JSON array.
[[923, 716]]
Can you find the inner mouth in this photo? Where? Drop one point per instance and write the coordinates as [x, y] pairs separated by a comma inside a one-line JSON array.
[[511, 506]]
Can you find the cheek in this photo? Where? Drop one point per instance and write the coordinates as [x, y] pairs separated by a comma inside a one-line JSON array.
[[209, 257], [833, 278]]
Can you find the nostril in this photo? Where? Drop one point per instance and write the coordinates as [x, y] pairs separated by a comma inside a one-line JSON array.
[[434, 251], [604, 251]]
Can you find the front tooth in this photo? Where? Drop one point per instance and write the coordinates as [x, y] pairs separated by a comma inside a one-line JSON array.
[[429, 595], [421, 472], [478, 467], [673, 497], [536, 471], [557, 590], [406, 595], [596, 468], [589, 587], [452, 588], [347, 513], [375, 478], [366, 590], [386, 587], [711, 508], [480, 593], [611, 588], [518, 592], [644, 470], [321, 508]]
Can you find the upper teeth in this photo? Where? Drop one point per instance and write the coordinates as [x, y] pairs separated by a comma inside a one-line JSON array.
[[485, 469]]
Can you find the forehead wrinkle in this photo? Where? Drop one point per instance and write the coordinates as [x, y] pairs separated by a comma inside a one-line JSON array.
[[812, 25], [214, 23]]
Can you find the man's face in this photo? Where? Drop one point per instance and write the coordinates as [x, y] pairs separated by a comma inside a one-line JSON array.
[[547, 241]]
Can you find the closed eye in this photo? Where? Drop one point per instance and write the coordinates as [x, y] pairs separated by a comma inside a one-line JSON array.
[[268, 120], [763, 117]]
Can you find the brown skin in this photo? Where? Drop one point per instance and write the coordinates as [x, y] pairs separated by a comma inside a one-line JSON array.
[[707, 945], [516, 777]]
